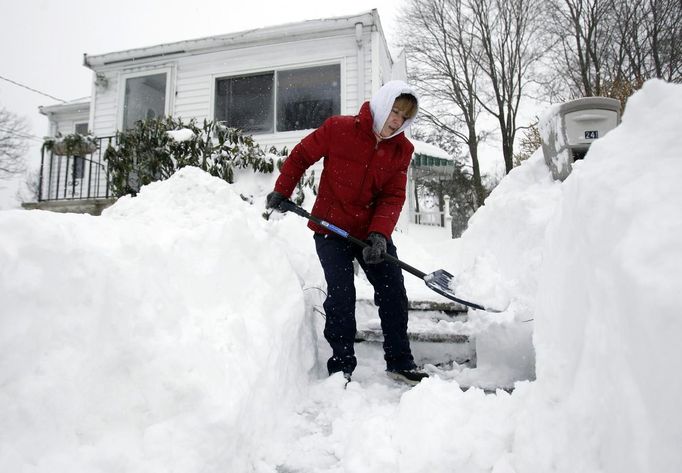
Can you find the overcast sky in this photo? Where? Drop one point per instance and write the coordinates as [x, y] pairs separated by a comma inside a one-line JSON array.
[[43, 41]]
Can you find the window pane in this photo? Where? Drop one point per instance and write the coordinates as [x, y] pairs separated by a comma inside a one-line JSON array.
[[307, 97], [81, 128], [245, 103], [145, 97]]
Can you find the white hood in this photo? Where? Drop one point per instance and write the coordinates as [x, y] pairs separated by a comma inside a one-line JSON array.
[[382, 102]]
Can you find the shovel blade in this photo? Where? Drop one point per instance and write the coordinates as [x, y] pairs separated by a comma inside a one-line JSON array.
[[440, 282]]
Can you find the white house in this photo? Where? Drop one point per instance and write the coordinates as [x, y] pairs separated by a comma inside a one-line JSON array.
[[276, 83]]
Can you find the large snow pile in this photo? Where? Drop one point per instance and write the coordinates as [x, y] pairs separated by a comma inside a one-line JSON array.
[[147, 339], [497, 262], [608, 319], [500, 253]]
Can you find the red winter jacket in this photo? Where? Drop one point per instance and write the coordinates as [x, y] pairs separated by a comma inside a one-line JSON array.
[[362, 187]]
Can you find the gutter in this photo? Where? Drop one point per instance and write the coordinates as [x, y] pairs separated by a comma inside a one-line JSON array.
[[359, 27], [68, 107]]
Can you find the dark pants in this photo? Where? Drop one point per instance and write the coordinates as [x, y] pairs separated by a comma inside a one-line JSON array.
[[336, 256]]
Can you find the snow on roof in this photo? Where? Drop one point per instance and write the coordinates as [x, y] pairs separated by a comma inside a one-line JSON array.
[[427, 149], [80, 104], [236, 39]]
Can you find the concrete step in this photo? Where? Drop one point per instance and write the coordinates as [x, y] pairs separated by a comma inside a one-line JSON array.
[[375, 335], [449, 308], [436, 336], [426, 322]]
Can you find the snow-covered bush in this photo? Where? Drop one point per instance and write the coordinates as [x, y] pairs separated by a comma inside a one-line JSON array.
[[155, 148]]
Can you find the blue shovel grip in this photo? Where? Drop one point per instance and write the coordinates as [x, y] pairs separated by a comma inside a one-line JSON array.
[[334, 228]]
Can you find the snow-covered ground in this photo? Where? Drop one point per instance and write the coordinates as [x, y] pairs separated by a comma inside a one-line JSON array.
[[178, 331]]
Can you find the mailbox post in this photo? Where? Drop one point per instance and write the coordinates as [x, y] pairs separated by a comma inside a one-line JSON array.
[[567, 130]]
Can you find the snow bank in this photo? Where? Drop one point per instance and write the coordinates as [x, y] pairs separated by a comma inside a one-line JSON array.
[[608, 319], [148, 339], [441, 429], [500, 252], [497, 262]]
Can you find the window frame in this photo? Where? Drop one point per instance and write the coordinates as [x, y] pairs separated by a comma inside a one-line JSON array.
[[275, 70], [123, 78]]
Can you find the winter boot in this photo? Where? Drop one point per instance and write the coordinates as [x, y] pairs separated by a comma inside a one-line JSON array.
[[411, 376]]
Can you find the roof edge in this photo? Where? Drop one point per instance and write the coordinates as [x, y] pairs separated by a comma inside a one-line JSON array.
[[210, 43], [73, 106]]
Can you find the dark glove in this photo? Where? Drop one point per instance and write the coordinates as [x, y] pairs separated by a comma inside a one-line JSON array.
[[273, 200], [374, 253]]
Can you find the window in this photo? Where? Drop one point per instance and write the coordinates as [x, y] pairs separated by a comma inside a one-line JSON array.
[[304, 99], [81, 128], [246, 102], [307, 97], [145, 97]]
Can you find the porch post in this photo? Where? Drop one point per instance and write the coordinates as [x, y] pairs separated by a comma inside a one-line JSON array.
[[448, 218], [40, 182]]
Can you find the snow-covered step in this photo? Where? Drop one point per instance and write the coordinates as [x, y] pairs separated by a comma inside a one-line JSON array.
[[375, 335], [449, 308], [436, 336], [428, 321]]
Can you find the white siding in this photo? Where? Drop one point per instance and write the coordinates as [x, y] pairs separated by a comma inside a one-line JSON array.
[[65, 123], [105, 101], [382, 63], [194, 78]]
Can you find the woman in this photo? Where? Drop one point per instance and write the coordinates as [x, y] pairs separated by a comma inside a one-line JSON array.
[[362, 190]]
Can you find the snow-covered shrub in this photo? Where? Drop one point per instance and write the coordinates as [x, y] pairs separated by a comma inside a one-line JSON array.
[[155, 148]]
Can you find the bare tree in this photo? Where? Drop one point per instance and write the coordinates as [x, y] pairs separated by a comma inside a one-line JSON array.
[[508, 33], [661, 22], [611, 47], [585, 33], [13, 144], [440, 43], [30, 190]]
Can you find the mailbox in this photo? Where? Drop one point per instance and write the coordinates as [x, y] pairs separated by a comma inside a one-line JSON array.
[[567, 130]]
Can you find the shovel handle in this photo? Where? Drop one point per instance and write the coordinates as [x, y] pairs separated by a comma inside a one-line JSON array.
[[437, 281], [288, 205]]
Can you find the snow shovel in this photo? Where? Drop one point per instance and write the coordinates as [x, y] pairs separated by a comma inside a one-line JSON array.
[[438, 281]]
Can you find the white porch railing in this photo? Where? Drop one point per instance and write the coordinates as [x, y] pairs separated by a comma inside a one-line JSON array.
[[435, 218], [432, 218]]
